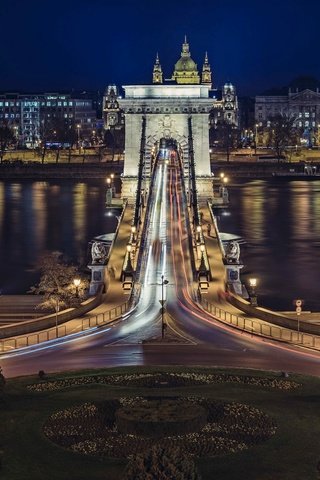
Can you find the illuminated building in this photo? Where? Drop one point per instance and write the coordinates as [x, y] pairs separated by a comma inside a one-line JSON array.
[[27, 114]]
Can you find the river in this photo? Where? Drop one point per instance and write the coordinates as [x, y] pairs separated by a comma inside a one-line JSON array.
[[35, 216], [279, 223]]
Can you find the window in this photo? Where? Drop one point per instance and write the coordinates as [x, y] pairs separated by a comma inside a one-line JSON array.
[[307, 114]]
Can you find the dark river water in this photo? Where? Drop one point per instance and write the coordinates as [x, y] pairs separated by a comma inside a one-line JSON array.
[[46, 216], [279, 222]]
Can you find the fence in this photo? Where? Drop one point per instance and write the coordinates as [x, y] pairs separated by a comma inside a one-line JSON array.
[[256, 327], [71, 327]]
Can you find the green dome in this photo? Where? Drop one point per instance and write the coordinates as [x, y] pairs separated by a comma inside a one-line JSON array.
[[185, 64]]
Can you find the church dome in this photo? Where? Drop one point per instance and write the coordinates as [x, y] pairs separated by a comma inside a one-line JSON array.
[[186, 70], [185, 64]]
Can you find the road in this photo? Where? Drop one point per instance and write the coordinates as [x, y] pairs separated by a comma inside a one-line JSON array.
[[193, 336]]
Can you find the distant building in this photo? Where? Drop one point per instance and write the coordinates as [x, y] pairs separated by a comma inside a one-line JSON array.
[[112, 114], [303, 105], [27, 114]]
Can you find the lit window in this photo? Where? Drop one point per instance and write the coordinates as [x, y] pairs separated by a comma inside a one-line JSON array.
[[59, 104], [1, 104], [307, 114], [300, 124], [6, 104], [306, 123], [48, 104]]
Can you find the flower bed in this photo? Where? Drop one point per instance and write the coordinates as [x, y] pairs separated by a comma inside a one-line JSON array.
[[230, 427], [163, 380]]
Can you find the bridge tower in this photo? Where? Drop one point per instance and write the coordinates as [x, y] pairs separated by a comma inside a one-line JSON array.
[[166, 110]]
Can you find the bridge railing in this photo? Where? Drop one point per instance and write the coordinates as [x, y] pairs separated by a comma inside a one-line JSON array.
[[72, 327], [262, 329]]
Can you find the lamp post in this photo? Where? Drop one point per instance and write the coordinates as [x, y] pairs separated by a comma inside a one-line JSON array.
[[163, 301], [76, 283], [78, 130], [252, 293], [255, 138], [133, 231], [199, 233], [109, 192], [57, 308]]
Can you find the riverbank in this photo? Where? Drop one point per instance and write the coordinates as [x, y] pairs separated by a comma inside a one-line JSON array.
[[38, 171], [90, 169]]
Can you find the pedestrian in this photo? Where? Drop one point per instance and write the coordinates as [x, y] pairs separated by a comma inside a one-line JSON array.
[[209, 229]]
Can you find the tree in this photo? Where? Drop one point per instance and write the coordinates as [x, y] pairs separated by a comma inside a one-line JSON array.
[[161, 463], [282, 132], [225, 135], [57, 283], [6, 138]]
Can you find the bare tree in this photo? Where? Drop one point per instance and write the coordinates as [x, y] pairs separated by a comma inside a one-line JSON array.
[[282, 132], [6, 138], [57, 283], [226, 136]]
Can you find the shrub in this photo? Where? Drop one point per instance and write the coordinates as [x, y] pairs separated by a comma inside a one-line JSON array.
[[107, 411], [161, 463]]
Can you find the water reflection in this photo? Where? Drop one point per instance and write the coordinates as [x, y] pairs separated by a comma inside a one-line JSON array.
[[39, 216], [279, 222]]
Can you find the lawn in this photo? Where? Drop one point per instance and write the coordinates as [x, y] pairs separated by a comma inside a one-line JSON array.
[[292, 453]]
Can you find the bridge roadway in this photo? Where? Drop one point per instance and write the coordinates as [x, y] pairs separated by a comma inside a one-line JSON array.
[[193, 337]]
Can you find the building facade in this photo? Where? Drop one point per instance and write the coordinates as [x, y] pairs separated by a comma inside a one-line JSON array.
[[28, 114], [303, 105]]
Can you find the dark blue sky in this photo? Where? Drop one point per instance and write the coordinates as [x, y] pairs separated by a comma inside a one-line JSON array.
[[86, 44]]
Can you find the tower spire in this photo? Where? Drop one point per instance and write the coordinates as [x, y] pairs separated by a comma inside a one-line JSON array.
[[206, 76], [157, 71]]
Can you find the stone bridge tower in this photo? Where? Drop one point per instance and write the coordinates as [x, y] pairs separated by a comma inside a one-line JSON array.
[[167, 108]]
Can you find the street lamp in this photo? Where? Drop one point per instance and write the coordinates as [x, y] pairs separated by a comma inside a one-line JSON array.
[[76, 283], [163, 301], [255, 138], [78, 129], [57, 308], [109, 192], [133, 231], [252, 293], [199, 233]]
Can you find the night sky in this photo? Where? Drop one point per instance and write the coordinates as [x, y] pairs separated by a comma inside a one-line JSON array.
[[86, 44]]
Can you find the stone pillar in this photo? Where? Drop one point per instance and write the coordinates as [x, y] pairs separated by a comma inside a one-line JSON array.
[[97, 278], [200, 132], [233, 277], [129, 188], [204, 189]]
